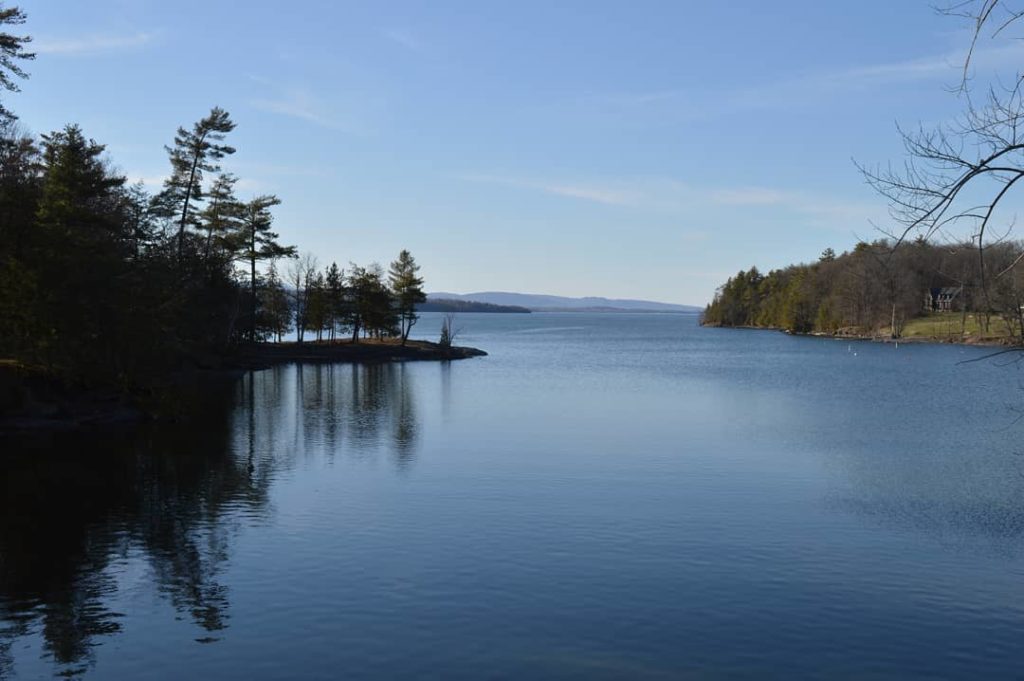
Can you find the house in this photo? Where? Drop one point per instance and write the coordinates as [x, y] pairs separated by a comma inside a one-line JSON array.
[[941, 299]]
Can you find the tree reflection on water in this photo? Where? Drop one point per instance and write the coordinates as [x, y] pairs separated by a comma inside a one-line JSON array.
[[78, 509]]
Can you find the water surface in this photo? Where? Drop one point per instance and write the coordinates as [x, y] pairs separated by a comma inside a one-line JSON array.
[[604, 496]]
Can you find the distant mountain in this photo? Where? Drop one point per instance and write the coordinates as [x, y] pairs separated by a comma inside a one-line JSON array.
[[451, 305], [545, 303]]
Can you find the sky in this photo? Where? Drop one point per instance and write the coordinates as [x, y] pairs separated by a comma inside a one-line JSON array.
[[623, 149]]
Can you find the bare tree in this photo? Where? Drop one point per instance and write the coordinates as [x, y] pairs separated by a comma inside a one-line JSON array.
[[301, 272], [448, 331], [956, 177]]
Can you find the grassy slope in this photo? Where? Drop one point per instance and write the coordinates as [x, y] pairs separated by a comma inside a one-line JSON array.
[[946, 326]]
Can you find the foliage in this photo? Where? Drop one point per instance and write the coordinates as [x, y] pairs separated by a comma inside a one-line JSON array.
[[875, 286], [275, 313], [257, 243], [407, 288], [194, 152], [448, 331], [12, 49], [104, 285]]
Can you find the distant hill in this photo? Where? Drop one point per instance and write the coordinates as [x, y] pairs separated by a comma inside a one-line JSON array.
[[545, 303], [451, 305]]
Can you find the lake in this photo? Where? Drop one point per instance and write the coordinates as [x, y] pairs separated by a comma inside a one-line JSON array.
[[603, 496]]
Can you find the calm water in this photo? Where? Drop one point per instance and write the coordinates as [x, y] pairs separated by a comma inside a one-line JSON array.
[[602, 497]]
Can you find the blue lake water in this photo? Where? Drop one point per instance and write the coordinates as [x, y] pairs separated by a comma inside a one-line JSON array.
[[603, 496]]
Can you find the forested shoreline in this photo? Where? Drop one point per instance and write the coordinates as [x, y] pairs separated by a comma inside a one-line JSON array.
[[109, 285], [877, 288], [453, 305]]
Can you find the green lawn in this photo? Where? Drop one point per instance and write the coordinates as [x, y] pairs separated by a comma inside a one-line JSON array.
[[947, 326]]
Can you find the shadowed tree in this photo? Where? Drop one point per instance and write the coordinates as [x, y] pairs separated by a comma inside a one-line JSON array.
[[372, 307], [138, 217], [82, 251], [20, 170], [12, 49], [260, 244], [300, 276], [194, 152], [222, 218], [334, 284], [275, 312], [319, 312]]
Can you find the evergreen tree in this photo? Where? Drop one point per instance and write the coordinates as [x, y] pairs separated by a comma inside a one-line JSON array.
[[20, 172], [318, 309], [12, 49], [372, 309], [334, 283], [194, 152], [81, 253], [138, 218], [260, 244], [221, 219], [275, 312], [407, 289]]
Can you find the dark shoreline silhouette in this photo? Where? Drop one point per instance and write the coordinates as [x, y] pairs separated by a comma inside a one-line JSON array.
[[33, 400]]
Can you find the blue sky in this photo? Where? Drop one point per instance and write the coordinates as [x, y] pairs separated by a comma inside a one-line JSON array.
[[641, 149]]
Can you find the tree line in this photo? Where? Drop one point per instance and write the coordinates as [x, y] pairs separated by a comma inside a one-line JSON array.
[[876, 286], [328, 304], [106, 283]]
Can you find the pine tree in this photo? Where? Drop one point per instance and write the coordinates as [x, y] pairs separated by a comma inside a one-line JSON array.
[[20, 170], [319, 306], [194, 152], [407, 289], [260, 243], [82, 250], [222, 219], [138, 218], [334, 283], [274, 308], [12, 48], [372, 307]]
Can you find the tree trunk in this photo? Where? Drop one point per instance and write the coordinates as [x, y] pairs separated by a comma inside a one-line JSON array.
[[188, 196], [252, 283]]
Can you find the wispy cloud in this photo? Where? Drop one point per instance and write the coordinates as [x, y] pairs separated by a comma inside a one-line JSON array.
[[748, 196], [295, 102], [604, 195], [799, 90], [404, 37], [280, 170], [91, 44], [596, 194], [668, 195], [947, 68], [812, 205]]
